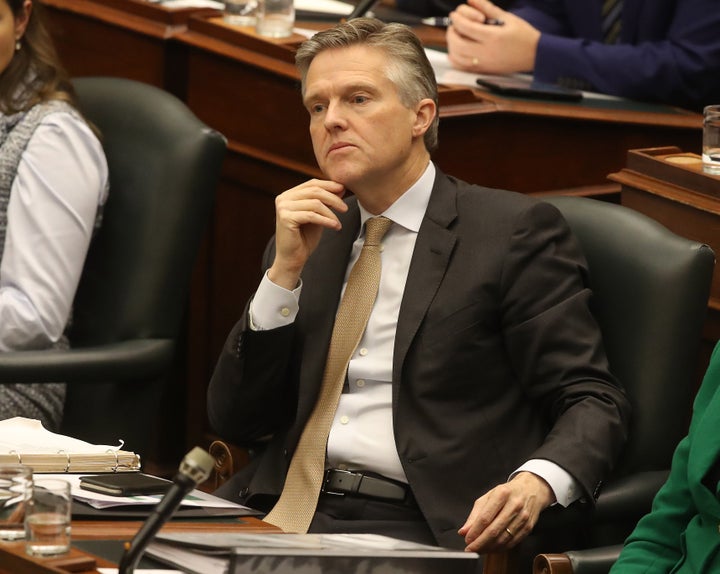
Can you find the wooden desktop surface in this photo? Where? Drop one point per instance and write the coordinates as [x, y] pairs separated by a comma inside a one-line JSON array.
[[13, 559], [247, 88]]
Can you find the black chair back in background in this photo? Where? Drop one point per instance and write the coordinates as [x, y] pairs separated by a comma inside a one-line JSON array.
[[650, 294], [131, 303]]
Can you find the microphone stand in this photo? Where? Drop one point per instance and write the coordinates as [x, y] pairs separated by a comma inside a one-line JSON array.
[[194, 469]]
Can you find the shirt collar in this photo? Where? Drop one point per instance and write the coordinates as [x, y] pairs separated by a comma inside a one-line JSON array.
[[408, 209]]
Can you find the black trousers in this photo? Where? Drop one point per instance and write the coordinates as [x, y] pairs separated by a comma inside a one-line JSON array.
[[356, 514]]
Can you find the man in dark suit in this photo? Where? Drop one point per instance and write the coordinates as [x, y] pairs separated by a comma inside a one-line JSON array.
[[479, 393], [664, 51]]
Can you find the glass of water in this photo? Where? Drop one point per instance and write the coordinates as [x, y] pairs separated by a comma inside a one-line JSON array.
[[275, 18], [15, 489], [241, 12], [47, 518], [711, 140]]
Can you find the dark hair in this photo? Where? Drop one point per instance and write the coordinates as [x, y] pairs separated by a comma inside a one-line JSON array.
[[34, 74], [408, 67]]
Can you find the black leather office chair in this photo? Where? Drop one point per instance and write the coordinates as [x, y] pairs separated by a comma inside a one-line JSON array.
[[128, 314], [651, 289]]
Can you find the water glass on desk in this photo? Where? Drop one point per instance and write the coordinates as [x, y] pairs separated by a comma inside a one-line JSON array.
[[47, 518], [711, 140], [241, 12], [15, 489], [275, 18]]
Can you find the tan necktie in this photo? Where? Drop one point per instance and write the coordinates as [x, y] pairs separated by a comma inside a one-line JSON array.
[[296, 506], [611, 19]]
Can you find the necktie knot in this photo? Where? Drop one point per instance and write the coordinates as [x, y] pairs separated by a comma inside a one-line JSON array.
[[375, 230]]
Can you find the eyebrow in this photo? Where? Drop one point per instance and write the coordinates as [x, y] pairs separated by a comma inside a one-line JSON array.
[[350, 88]]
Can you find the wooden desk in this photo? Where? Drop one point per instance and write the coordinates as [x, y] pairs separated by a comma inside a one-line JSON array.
[[668, 184], [247, 88], [13, 559]]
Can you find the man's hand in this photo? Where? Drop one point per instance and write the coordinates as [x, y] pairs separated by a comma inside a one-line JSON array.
[[505, 515], [481, 48], [301, 213]]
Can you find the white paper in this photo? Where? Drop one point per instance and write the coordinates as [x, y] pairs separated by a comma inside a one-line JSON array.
[[29, 436], [447, 75], [216, 4], [196, 499], [325, 6]]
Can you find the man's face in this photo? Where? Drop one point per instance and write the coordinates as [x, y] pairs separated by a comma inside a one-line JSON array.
[[362, 134]]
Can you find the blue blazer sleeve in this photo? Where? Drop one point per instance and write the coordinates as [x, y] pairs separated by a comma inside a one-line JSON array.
[[669, 50]]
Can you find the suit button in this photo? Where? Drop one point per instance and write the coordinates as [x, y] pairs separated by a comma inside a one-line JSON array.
[[244, 492], [285, 452]]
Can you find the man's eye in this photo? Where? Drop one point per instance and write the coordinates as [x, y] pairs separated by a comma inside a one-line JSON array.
[[359, 99], [317, 108]]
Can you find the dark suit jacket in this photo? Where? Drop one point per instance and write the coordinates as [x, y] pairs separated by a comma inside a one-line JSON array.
[[497, 357], [669, 50]]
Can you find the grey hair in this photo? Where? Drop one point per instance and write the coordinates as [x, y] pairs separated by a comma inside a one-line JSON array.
[[408, 67]]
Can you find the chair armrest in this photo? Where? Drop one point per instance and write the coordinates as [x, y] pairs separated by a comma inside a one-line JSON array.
[[128, 360], [590, 561], [630, 496]]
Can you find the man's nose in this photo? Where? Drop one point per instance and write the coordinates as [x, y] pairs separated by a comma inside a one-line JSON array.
[[335, 116]]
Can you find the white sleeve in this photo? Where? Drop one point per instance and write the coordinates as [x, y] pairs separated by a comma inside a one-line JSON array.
[[61, 179], [566, 489], [273, 306]]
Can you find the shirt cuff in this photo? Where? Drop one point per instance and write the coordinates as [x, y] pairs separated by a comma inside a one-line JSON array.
[[273, 306], [566, 489]]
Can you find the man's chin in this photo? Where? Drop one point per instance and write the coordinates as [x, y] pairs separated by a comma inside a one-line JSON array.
[[343, 176]]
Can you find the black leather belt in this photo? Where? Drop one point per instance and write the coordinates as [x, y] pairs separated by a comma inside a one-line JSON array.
[[370, 486]]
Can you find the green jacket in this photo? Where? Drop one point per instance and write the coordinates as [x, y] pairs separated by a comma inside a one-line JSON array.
[[682, 532]]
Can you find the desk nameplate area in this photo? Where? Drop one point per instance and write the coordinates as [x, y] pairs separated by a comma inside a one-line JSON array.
[[671, 166], [123, 11], [14, 560]]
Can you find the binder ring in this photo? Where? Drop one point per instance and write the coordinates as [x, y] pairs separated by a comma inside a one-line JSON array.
[[17, 454], [117, 461], [67, 455]]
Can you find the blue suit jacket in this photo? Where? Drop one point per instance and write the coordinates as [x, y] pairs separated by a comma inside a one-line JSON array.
[[669, 50], [680, 535]]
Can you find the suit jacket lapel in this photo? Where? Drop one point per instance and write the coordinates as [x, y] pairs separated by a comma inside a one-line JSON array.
[[433, 249]]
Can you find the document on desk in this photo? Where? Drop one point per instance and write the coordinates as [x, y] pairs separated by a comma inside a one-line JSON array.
[[210, 504], [324, 7], [244, 553], [447, 75]]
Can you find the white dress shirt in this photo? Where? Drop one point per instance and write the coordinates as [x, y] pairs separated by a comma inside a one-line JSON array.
[[361, 437], [60, 182]]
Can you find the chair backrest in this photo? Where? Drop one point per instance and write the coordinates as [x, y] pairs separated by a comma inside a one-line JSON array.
[[164, 165], [650, 293]]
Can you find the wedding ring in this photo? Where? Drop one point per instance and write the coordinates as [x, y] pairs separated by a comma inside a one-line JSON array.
[[510, 532]]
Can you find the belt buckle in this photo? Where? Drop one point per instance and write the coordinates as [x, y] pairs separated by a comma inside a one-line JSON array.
[[340, 482]]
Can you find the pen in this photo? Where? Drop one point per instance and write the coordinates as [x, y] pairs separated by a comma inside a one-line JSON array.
[[444, 22]]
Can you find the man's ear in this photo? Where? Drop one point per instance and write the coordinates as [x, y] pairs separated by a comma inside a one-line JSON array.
[[22, 19], [425, 113]]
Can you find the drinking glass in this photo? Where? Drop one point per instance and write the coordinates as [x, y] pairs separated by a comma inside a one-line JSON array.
[[15, 489], [711, 140], [47, 518]]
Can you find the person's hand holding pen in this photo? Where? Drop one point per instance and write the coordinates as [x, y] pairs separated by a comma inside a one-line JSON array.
[[506, 47]]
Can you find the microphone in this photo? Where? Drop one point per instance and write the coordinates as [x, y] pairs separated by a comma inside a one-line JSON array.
[[361, 8], [194, 469]]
